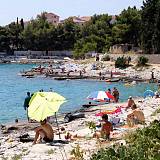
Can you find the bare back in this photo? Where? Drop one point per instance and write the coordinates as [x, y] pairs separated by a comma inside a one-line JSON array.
[[48, 130], [138, 114], [130, 102]]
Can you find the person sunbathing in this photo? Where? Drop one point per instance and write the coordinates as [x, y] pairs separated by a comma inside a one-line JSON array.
[[136, 117], [44, 132], [130, 102], [106, 128]]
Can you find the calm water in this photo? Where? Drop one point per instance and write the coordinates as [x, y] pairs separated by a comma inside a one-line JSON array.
[[14, 87]]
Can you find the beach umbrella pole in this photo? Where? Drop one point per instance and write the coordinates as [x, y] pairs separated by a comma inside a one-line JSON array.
[[57, 125]]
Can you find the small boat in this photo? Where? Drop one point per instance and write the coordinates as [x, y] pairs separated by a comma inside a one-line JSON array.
[[30, 76], [113, 80], [26, 74], [89, 105], [60, 78]]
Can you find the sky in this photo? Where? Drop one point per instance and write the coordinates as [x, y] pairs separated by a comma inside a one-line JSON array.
[[27, 9]]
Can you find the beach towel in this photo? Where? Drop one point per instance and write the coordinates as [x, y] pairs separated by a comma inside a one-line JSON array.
[[116, 111]]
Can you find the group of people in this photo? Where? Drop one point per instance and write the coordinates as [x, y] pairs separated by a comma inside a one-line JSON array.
[[45, 131], [136, 116], [115, 94]]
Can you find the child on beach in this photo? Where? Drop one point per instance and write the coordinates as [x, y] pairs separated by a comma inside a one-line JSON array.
[[130, 102], [106, 128], [44, 132]]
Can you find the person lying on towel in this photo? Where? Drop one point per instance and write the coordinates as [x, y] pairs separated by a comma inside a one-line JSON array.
[[44, 132]]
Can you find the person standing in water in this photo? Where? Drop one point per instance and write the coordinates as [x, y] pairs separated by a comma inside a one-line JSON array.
[[26, 103], [115, 94]]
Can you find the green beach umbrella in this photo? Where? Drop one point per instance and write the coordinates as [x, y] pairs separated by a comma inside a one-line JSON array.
[[44, 104]]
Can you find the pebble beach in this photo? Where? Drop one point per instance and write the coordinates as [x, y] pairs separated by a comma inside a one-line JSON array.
[[12, 148]]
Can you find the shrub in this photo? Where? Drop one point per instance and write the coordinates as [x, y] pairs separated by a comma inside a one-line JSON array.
[[50, 151], [106, 58], [142, 61], [16, 157], [141, 145], [77, 153], [91, 125], [121, 62]]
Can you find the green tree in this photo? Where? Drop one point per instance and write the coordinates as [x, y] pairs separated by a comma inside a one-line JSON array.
[[4, 39], [98, 32], [15, 30], [119, 33], [128, 26], [70, 34], [150, 26], [39, 34]]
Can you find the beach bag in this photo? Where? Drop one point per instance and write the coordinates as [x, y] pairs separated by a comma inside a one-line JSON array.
[[115, 120]]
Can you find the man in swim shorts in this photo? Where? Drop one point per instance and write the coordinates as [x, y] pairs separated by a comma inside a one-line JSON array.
[[44, 132]]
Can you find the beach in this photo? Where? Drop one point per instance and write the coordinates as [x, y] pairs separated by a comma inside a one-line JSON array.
[[91, 69], [14, 88], [82, 139], [79, 82], [12, 147]]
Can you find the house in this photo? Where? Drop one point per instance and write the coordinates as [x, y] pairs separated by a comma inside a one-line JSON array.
[[78, 20], [26, 23], [123, 48], [52, 18], [113, 20]]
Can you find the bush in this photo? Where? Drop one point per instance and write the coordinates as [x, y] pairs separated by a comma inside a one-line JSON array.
[[106, 58], [121, 62], [142, 61], [142, 145]]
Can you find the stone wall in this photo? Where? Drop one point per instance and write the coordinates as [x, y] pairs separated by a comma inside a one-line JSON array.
[[41, 54], [153, 58], [3, 54], [123, 48]]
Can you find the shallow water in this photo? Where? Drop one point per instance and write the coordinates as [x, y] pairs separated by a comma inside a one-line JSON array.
[[14, 87]]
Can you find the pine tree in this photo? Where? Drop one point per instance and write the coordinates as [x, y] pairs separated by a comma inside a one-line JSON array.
[[22, 23], [150, 34]]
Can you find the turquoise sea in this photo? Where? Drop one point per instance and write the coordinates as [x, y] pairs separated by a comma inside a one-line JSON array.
[[13, 90]]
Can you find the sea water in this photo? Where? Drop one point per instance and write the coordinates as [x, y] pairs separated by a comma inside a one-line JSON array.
[[13, 88]]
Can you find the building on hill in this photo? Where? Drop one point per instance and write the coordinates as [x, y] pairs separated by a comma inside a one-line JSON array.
[[78, 20], [52, 18], [113, 20], [123, 48], [26, 23], [86, 18]]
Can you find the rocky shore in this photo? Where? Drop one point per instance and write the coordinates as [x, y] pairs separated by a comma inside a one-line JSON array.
[[90, 69], [81, 143]]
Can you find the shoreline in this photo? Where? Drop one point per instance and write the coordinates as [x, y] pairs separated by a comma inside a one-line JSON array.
[[10, 143], [102, 72], [131, 73]]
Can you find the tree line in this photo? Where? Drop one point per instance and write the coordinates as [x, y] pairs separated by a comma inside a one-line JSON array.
[[139, 27]]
